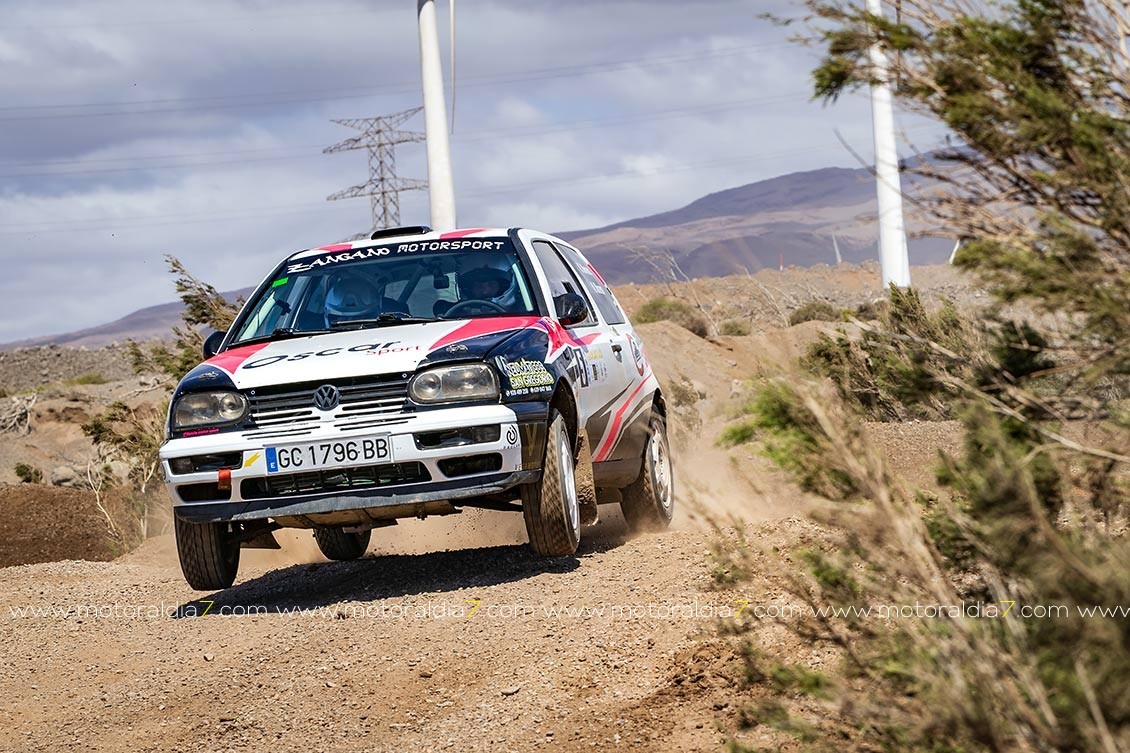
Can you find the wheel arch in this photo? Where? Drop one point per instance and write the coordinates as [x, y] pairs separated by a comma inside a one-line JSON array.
[[564, 402], [659, 404]]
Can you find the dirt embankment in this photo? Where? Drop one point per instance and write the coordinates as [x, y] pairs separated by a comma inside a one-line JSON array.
[[42, 523]]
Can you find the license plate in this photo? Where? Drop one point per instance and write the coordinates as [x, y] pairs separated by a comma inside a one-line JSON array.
[[314, 456]]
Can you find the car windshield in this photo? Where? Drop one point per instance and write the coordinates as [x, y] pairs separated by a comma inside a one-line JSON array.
[[382, 285]]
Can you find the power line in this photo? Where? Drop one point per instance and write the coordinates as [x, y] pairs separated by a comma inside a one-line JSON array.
[[303, 151], [246, 100], [138, 221], [250, 17]]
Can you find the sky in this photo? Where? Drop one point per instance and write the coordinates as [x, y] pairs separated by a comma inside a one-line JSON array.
[[133, 129]]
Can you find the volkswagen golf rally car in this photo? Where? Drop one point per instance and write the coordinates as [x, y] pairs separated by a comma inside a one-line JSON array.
[[412, 374]]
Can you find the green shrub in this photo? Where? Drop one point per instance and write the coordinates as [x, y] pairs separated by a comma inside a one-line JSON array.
[[901, 369], [1037, 185], [28, 475], [814, 311], [734, 328], [739, 433], [89, 378], [872, 310], [670, 310]]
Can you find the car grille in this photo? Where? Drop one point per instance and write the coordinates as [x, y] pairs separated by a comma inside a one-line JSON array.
[[334, 479], [288, 410]]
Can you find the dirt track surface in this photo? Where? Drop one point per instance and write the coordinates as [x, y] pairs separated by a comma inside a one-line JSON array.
[[379, 654]]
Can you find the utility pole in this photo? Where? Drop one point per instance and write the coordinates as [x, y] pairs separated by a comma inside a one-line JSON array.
[[892, 231], [379, 137], [441, 189]]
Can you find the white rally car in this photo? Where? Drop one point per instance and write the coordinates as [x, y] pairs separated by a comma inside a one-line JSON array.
[[414, 374]]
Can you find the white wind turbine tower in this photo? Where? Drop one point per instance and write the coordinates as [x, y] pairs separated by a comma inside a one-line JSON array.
[[441, 189], [892, 232]]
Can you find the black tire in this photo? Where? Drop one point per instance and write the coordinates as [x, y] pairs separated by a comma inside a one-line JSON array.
[[649, 502], [338, 545], [209, 554], [550, 506]]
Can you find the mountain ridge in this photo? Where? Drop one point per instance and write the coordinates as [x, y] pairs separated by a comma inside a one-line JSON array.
[[788, 220]]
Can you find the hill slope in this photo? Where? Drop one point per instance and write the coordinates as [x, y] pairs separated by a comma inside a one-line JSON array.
[[149, 323], [790, 219]]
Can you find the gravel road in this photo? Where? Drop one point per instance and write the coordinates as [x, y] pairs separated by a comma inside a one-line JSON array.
[[470, 649]]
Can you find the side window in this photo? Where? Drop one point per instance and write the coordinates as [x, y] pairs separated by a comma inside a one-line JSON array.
[[560, 278], [601, 294]]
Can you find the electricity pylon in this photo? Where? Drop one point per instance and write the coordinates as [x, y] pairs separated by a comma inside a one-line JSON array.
[[379, 137]]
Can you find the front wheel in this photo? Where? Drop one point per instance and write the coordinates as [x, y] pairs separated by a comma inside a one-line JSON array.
[[209, 554], [550, 507], [339, 545], [649, 503]]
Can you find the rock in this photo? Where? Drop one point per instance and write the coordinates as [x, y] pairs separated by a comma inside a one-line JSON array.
[[64, 475], [513, 690], [119, 469], [425, 673], [699, 388], [209, 657]]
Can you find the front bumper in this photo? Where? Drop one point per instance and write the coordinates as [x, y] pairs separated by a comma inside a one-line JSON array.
[[415, 481]]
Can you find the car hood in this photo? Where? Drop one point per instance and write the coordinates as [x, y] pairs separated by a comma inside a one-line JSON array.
[[382, 350]]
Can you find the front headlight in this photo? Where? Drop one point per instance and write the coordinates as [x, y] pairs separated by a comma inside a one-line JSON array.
[[445, 384], [208, 409]]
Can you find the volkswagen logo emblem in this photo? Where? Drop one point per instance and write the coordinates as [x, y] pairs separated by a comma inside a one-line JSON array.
[[326, 397]]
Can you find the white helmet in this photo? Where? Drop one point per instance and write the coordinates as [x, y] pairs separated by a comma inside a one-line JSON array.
[[351, 297]]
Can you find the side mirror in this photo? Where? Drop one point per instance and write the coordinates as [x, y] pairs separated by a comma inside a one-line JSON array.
[[571, 308], [212, 344]]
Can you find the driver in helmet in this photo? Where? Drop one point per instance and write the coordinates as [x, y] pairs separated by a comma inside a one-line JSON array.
[[351, 297], [486, 284], [485, 289]]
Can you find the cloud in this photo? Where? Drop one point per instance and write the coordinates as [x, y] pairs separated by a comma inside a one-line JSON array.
[[131, 132]]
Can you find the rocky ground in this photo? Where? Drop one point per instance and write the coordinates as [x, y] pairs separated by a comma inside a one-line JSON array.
[[449, 634]]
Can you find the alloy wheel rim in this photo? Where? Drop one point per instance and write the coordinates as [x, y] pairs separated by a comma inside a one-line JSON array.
[[569, 486], [660, 471]]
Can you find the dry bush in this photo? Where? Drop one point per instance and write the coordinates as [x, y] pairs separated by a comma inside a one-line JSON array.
[[28, 474], [89, 378], [134, 435], [890, 584], [814, 311], [734, 328], [670, 310], [891, 370]]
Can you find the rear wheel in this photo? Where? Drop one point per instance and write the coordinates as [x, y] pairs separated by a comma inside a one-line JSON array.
[[649, 503], [209, 554], [550, 506], [338, 545]]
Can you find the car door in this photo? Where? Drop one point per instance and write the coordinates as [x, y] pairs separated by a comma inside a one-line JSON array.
[[618, 428], [589, 357]]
